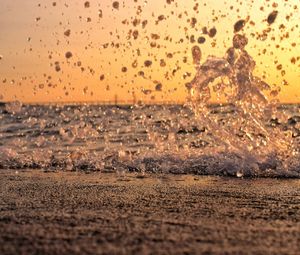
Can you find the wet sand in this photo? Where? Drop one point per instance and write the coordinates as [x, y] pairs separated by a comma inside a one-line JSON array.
[[100, 213]]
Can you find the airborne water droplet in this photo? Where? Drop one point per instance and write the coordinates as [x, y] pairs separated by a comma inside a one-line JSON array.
[[57, 67], [239, 25], [148, 63], [116, 5], [239, 41], [162, 63], [68, 54], [212, 32], [196, 53], [272, 17], [201, 40], [67, 32], [158, 87], [141, 73]]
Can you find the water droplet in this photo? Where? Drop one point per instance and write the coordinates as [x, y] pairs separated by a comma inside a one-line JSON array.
[[68, 54], [158, 87], [196, 53], [272, 17], [57, 66], [239, 25], [201, 40], [116, 5], [148, 63], [67, 32], [162, 63], [147, 91], [212, 32], [239, 174], [239, 41], [135, 34]]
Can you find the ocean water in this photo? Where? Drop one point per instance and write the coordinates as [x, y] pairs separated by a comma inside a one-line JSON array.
[[145, 139]]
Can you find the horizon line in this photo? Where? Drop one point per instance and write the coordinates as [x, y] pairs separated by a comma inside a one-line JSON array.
[[121, 103]]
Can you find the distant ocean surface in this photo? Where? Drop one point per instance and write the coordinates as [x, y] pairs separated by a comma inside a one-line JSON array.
[[142, 139]]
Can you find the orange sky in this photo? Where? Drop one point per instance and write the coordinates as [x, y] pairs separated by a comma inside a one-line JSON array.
[[32, 40]]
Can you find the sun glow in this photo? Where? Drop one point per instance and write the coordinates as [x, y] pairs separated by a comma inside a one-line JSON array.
[[138, 50]]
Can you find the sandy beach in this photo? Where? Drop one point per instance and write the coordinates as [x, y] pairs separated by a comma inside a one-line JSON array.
[[100, 213]]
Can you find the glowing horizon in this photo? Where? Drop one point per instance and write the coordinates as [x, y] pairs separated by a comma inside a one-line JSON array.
[[105, 62]]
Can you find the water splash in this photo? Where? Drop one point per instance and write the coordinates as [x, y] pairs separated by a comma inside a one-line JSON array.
[[142, 139], [249, 135], [245, 133]]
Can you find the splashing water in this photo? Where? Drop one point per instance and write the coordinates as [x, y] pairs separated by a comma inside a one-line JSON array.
[[242, 138], [247, 136], [245, 133], [156, 139]]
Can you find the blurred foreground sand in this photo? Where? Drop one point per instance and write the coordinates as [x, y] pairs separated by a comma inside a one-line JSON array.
[[101, 213]]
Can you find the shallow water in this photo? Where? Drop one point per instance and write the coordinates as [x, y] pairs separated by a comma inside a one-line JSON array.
[[158, 139]]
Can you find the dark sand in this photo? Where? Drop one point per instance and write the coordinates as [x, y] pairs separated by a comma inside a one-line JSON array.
[[76, 213]]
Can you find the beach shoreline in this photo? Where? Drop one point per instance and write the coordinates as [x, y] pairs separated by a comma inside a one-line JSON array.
[[103, 213]]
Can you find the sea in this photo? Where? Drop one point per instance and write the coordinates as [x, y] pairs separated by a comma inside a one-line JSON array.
[[158, 139]]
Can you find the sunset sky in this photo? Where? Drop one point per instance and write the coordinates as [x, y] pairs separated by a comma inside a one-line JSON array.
[[61, 51]]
